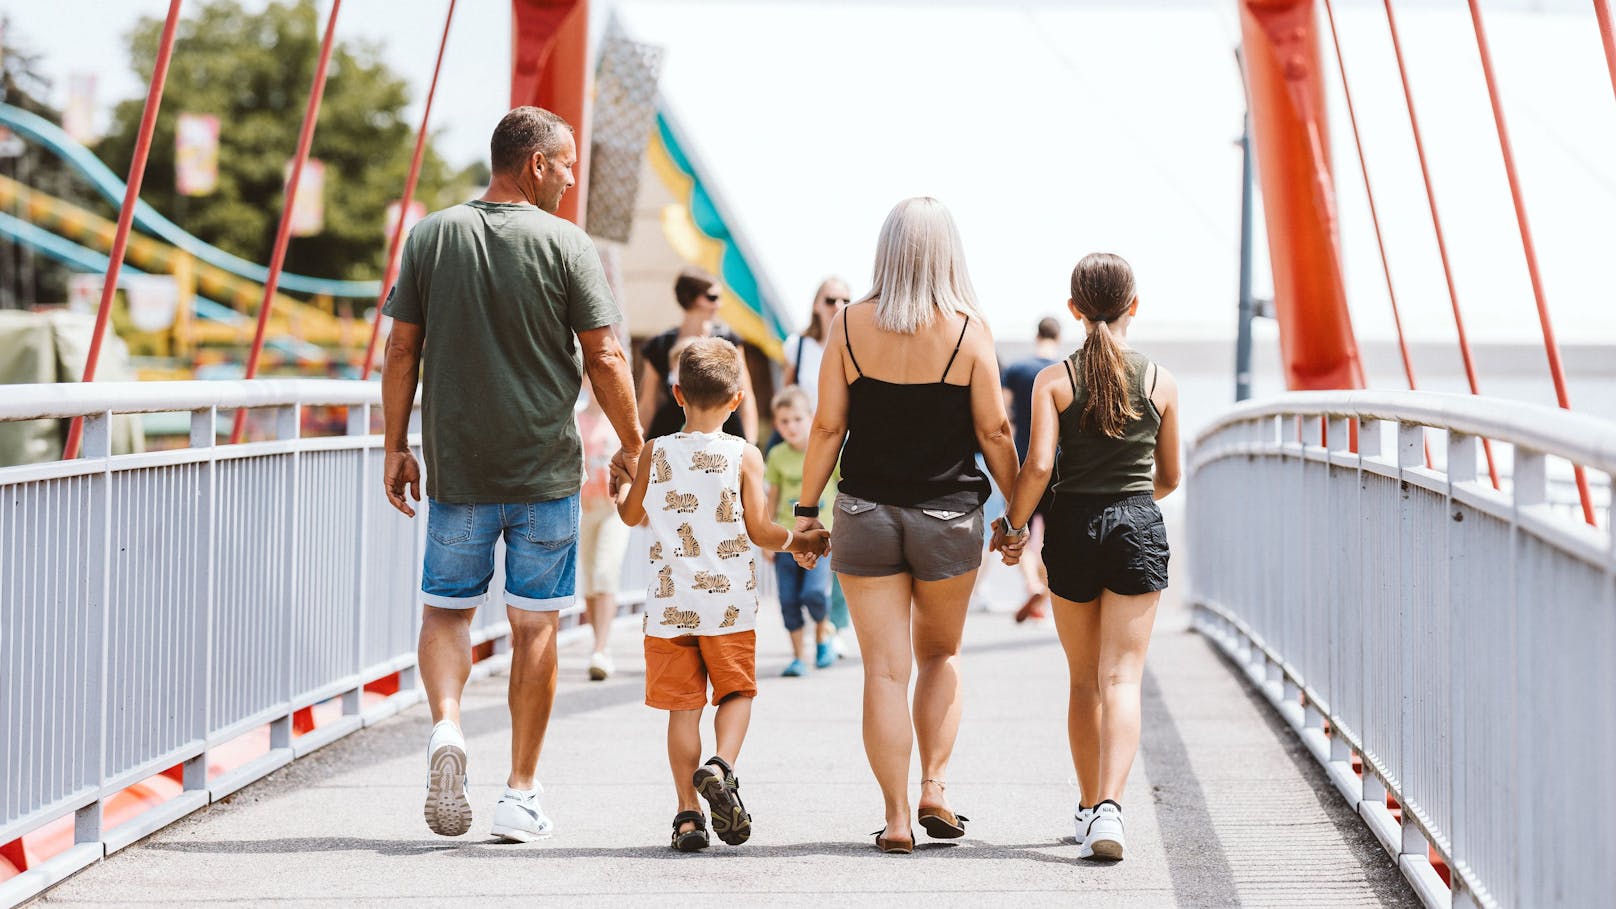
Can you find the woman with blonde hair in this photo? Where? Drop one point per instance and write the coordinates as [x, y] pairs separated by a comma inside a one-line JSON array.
[[804, 351], [910, 383], [1105, 425]]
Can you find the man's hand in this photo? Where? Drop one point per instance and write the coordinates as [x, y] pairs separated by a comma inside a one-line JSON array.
[[625, 464], [401, 471]]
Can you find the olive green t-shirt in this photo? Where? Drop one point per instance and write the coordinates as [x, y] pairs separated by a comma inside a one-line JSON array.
[[501, 290]]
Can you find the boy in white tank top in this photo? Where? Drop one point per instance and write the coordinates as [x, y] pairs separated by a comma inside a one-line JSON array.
[[702, 493]]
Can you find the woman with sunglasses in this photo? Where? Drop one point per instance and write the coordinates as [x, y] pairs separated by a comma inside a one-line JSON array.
[[804, 351], [697, 293]]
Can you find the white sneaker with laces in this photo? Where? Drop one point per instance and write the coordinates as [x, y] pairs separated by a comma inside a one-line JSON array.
[[1104, 838], [600, 667], [519, 817], [448, 813], [1081, 817]]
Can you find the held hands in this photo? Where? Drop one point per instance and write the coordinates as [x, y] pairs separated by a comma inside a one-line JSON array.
[[399, 471], [812, 529], [623, 467], [1008, 545], [818, 542]]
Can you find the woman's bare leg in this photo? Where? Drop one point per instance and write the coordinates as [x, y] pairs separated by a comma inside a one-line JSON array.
[[1079, 627], [939, 621], [880, 611], [1125, 624]]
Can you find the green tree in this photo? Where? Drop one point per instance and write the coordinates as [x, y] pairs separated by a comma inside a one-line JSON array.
[[254, 71]]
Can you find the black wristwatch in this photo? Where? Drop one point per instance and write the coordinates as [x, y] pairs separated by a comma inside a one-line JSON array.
[[805, 511]]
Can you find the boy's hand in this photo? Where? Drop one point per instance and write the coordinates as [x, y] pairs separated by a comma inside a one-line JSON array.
[[623, 467]]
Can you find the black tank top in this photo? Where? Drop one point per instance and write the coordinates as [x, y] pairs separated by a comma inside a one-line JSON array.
[[912, 445]]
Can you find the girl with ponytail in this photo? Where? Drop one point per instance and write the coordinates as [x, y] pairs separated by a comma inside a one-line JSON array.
[[1105, 445]]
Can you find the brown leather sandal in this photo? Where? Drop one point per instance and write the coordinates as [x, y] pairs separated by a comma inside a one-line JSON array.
[[894, 846], [942, 824]]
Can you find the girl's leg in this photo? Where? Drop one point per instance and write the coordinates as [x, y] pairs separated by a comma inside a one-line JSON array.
[[940, 608], [880, 611], [1125, 623], [1079, 627], [729, 727], [602, 608], [684, 755]]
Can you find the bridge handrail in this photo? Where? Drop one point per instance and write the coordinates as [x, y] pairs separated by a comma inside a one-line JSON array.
[[64, 400], [1576, 437]]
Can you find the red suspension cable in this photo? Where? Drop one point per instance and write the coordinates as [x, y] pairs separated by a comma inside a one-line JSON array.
[[1608, 33], [1550, 346], [126, 214], [1441, 240], [283, 233], [394, 243]]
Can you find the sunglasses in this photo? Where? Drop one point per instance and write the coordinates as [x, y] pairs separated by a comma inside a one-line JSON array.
[[836, 301], [711, 296]]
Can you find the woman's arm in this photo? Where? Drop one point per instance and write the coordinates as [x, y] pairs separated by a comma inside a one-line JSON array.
[[632, 509], [760, 525], [993, 434], [650, 390], [1040, 463], [749, 411], [1168, 458], [830, 420]]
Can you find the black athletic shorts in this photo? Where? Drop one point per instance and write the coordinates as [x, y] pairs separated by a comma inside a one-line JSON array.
[[1095, 543]]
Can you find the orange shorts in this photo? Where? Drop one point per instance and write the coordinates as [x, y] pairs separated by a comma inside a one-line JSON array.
[[677, 669]]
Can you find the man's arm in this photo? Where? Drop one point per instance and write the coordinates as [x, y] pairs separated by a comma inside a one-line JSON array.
[[401, 373], [613, 384]]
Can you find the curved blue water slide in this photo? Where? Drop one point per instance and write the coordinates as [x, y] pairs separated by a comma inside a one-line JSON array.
[[49, 136], [88, 261]]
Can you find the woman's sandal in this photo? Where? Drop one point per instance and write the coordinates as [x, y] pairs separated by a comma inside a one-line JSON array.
[[940, 823], [694, 839], [894, 845], [723, 794]]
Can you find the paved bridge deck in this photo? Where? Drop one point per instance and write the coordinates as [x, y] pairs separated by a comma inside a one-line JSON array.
[[1224, 807]]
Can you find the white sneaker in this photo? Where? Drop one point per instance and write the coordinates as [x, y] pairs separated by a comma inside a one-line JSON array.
[[1081, 817], [838, 645], [447, 811], [1104, 838], [519, 817], [600, 666]]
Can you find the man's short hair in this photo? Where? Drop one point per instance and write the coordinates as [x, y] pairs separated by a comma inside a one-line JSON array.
[[709, 372], [792, 397], [522, 132], [1048, 329]]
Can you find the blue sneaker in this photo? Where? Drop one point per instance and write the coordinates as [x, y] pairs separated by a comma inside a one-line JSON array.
[[824, 655], [794, 669]]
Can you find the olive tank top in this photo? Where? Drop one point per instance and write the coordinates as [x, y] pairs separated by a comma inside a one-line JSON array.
[[1090, 462]]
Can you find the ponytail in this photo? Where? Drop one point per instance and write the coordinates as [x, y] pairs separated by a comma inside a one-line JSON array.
[[1109, 407], [1102, 290]]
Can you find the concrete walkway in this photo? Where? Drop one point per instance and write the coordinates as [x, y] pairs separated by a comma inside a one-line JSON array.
[[1223, 807]]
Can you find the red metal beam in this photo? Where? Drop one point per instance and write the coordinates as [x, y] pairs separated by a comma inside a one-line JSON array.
[[1550, 345], [397, 238], [1291, 131], [126, 214], [1607, 34], [283, 234], [550, 69]]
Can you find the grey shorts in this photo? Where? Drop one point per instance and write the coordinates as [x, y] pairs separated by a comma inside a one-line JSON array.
[[874, 541]]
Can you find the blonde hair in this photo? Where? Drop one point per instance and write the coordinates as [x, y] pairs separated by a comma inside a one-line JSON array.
[[1102, 290], [818, 328], [794, 397], [919, 268]]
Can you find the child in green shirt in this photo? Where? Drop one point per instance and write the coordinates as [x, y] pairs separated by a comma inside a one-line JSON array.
[[801, 589]]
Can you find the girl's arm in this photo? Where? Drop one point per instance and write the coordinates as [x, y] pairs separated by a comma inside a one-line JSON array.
[[830, 421], [632, 509], [1034, 477], [1169, 469], [993, 434], [760, 525]]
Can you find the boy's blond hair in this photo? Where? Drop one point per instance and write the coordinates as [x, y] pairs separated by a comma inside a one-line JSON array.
[[709, 372], [792, 396]]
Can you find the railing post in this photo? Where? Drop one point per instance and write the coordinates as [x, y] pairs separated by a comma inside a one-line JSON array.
[[204, 435], [1461, 459], [1410, 456], [287, 420], [88, 821], [358, 428]]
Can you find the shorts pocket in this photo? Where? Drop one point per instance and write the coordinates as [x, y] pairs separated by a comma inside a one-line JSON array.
[[553, 525], [942, 514], [847, 504], [449, 523]]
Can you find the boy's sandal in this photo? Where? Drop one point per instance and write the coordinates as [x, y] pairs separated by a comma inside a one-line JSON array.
[[694, 839], [942, 824], [894, 845], [723, 794]]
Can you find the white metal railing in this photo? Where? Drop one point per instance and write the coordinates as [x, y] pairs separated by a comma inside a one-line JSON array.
[[156, 606], [1458, 640]]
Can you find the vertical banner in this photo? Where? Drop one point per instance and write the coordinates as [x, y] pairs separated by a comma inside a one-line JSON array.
[[78, 118], [152, 301], [196, 154], [308, 207], [390, 220]]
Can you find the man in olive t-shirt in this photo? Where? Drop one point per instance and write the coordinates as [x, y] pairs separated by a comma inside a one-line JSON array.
[[489, 299]]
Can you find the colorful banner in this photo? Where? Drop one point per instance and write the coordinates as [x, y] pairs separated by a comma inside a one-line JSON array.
[[308, 207], [390, 221], [78, 118], [196, 154]]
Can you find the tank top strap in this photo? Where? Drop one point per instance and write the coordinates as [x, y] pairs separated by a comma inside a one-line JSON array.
[[957, 342], [847, 341], [1071, 376]]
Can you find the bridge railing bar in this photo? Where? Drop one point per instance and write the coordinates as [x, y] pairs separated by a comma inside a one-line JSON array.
[[1441, 647], [159, 609]]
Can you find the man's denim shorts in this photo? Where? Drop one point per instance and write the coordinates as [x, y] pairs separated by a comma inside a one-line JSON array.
[[541, 554]]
